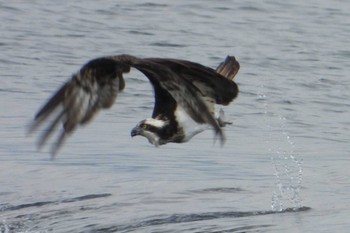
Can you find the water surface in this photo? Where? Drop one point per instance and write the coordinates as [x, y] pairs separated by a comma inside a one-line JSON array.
[[284, 167]]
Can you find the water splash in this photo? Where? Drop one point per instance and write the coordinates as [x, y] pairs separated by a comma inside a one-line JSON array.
[[288, 171], [286, 164]]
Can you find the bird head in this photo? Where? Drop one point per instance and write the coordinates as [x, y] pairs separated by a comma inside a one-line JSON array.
[[151, 129]]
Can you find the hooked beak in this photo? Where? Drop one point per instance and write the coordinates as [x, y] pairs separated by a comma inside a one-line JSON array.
[[152, 138], [136, 131]]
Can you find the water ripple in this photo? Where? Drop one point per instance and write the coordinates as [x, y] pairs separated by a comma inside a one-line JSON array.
[[44, 203], [185, 218]]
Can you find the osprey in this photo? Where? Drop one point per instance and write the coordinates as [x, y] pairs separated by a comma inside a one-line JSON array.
[[184, 92]]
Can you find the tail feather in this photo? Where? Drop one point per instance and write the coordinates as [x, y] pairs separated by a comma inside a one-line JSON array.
[[228, 68]]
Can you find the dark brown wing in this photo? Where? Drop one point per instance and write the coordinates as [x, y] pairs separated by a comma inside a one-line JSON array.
[[207, 81], [98, 83], [93, 88], [187, 83]]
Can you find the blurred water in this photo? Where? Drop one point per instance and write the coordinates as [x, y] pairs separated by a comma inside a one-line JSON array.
[[284, 167]]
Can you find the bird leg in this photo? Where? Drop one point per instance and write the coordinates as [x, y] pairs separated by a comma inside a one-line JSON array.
[[222, 119]]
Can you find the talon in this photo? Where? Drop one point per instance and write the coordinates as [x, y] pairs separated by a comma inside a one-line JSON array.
[[221, 119]]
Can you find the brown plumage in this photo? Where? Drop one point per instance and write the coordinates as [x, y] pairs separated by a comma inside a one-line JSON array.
[[192, 86]]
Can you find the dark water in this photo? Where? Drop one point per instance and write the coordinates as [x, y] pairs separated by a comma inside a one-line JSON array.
[[284, 167]]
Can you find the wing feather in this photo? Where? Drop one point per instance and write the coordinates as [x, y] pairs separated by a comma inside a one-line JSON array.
[[181, 89], [97, 84], [207, 81], [228, 68], [93, 88]]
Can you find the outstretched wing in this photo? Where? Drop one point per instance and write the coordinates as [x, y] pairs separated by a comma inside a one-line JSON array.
[[217, 85], [176, 77], [93, 88], [98, 83], [195, 87]]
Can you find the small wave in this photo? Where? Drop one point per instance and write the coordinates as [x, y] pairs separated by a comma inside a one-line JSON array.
[[166, 44], [185, 218], [87, 197], [151, 4], [44, 203], [218, 190], [252, 8], [137, 32]]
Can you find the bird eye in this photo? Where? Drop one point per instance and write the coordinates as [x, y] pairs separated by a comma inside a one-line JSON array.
[[144, 126]]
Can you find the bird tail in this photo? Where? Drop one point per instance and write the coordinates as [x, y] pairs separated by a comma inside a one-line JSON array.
[[228, 68]]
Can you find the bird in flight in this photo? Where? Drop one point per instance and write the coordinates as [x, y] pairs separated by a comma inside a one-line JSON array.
[[185, 96]]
